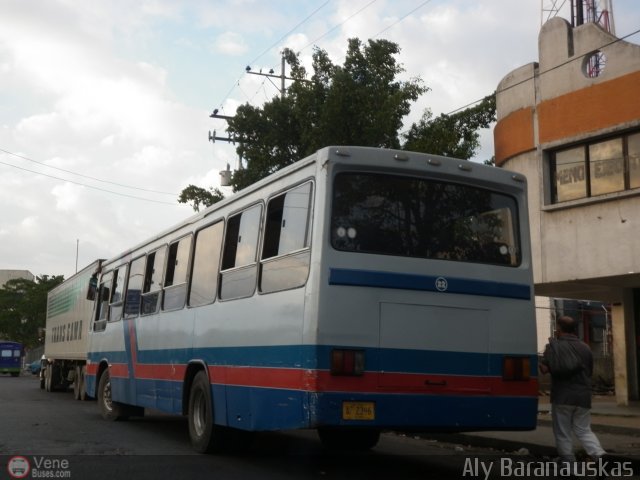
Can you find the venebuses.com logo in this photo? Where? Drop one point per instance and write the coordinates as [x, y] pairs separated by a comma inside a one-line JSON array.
[[18, 467]]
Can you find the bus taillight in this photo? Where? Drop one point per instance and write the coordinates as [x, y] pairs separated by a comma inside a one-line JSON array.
[[347, 362], [516, 368]]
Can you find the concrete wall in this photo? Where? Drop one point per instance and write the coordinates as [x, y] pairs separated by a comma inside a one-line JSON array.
[[585, 248], [6, 275]]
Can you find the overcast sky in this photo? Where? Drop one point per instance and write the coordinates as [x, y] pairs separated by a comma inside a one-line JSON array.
[[104, 105]]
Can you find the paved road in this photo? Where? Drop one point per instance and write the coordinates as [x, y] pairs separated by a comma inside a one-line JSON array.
[[53, 427]]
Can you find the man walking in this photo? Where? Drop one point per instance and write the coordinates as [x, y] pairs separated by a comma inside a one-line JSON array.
[[571, 394]]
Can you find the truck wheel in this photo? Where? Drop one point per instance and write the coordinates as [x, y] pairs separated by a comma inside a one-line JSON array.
[[109, 409], [47, 378], [76, 383], [42, 380], [83, 383], [205, 436]]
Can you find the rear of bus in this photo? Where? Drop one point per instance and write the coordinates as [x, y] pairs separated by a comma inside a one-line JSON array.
[[11, 358], [425, 301]]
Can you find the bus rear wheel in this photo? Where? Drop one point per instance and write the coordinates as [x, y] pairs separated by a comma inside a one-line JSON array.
[[109, 409], [205, 436], [340, 439]]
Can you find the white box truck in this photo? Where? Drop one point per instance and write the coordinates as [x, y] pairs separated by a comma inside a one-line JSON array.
[[67, 332]]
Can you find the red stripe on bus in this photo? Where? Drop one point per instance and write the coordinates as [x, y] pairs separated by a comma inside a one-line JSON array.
[[322, 381], [119, 370], [115, 369], [151, 371], [283, 378], [375, 382]]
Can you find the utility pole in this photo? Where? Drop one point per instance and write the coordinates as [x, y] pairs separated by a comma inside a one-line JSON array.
[[226, 174], [282, 76]]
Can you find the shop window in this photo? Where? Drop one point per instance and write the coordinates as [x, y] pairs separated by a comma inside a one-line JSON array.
[[595, 168], [633, 148], [606, 166], [571, 177]]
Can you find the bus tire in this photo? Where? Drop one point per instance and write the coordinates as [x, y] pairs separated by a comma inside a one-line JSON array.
[[340, 439], [109, 409], [205, 436]]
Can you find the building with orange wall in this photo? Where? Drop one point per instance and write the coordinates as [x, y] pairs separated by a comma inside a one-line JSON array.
[[571, 124]]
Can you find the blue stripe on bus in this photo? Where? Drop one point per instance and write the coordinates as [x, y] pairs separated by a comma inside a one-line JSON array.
[[290, 409], [433, 412], [318, 357], [428, 283]]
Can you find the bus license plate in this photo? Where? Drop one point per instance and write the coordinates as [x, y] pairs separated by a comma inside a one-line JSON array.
[[358, 411]]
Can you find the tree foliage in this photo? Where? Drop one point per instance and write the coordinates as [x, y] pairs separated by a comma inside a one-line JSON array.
[[200, 196], [23, 308], [361, 102], [454, 135], [358, 103]]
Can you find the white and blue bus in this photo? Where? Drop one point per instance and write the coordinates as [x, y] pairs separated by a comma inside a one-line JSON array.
[[11, 355], [355, 291]]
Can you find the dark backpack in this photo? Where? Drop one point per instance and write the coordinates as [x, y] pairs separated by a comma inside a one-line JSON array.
[[563, 359]]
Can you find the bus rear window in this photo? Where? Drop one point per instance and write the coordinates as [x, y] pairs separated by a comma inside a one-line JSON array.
[[416, 217]]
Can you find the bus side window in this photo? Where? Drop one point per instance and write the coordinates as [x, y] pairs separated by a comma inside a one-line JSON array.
[[285, 253], [175, 282], [152, 281], [117, 298], [134, 288], [239, 269], [206, 262], [102, 305]]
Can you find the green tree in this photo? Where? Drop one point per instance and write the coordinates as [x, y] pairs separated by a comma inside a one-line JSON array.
[[361, 102], [358, 103], [454, 135], [23, 308], [200, 196]]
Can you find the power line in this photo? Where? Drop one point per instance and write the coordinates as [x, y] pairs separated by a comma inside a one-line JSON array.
[[539, 74], [237, 82], [289, 32], [86, 185], [401, 18], [86, 176], [338, 25]]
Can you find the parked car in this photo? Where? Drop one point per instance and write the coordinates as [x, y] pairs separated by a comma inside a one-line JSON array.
[[34, 367]]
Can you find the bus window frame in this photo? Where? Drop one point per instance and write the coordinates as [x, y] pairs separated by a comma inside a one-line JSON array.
[[126, 316], [293, 253], [158, 290], [125, 282], [193, 259], [515, 218], [235, 269], [184, 284], [100, 324]]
